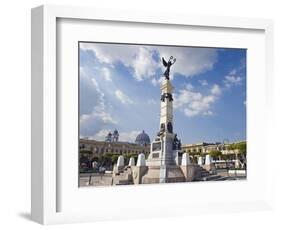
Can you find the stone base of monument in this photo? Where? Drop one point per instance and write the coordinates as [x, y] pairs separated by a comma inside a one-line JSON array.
[[138, 172], [163, 174], [210, 168], [122, 176], [190, 171]]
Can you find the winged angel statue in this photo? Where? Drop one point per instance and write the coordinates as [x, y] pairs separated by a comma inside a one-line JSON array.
[[168, 65]]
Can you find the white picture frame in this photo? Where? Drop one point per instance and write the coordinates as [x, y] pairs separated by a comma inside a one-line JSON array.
[[46, 182]]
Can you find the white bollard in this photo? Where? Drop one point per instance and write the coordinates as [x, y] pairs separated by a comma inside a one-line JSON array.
[[132, 161], [208, 160], [120, 161], [185, 159], [141, 160], [200, 161]]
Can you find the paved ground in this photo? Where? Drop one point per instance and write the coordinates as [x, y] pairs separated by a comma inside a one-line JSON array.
[[95, 179], [232, 174]]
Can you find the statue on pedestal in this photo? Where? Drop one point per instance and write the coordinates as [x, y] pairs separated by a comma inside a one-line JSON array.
[[169, 96], [168, 65], [176, 143]]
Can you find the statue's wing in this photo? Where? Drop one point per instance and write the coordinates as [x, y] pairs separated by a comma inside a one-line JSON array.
[[164, 62]]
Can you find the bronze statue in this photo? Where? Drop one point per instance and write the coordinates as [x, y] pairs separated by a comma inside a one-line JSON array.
[[168, 65], [166, 95], [170, 127], [176, 143]]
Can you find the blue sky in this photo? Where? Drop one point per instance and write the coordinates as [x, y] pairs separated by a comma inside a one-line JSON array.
[[120, 88]]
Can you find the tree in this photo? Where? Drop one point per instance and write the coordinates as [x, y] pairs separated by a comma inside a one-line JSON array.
[[114, 158], [215, 154], [241, 147], [202, 154], [85, 152]]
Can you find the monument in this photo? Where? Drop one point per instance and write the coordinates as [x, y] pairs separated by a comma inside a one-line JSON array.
[[162, 161], [165, 163]]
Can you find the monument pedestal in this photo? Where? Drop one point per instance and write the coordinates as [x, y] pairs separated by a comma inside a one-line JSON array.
[[162, 152], [162, 162], [163, 174]]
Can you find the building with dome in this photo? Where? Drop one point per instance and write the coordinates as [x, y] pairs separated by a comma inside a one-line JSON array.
[[142, 139], [112, 145]]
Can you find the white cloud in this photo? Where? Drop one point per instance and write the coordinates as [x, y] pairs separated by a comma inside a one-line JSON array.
[[106, 73], [189, 86], [154, 82], [203, 82], [138, 58], [100, 135], [152, 102], [233, 72], [123, 97], [129, 136], [123, 136], [216, 90], [232, 78], [110, 54], [194, 103], [94, 112], [143, 64], [190, 61]]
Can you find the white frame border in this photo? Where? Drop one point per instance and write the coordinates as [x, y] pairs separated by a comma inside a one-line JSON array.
[[43, 38]]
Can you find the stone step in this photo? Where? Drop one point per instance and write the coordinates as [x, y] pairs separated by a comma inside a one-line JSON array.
[[123, 182], [224, 178], [211, 178], [204, 174]]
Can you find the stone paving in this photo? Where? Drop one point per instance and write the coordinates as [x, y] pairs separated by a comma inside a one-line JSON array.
[[95, 179]]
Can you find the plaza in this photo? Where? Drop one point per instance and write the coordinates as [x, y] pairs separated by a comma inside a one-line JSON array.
[[164, 160]]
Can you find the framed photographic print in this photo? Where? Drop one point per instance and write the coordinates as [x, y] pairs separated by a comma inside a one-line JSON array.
[[149, 114], [122, 97]]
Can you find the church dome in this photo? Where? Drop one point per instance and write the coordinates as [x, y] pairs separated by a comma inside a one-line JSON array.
[[142, 139]]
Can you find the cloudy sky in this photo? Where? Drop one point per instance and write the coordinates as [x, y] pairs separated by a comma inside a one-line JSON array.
[[119, 88]]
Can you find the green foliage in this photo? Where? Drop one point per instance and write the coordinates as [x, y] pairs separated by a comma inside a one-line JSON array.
[[242, 147], [194, 159], [228, 157], [202, 154], [215, 153], [96, 159], [85, 152], [194, 154], [114, 159], [107, 158], [224, 157]]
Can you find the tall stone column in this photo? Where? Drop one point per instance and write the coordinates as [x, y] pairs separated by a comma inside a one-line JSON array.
[[162, 152], [161, 162], [166, 122], [166, 112]]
